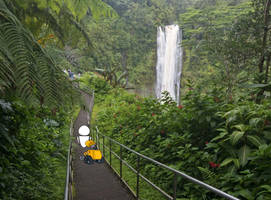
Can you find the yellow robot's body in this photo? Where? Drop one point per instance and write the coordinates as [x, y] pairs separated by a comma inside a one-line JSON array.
[[93, 154]]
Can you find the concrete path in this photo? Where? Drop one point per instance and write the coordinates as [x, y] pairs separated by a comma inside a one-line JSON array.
[[97, 181]]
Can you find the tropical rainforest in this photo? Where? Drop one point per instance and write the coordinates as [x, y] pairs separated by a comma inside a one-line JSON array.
[[219, 132]]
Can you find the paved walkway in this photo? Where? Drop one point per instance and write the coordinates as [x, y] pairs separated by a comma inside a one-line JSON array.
[[97, 181]]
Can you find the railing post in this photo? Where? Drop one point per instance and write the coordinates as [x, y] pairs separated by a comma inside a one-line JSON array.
[[120, 161], [110, 147], [137, 177], [98, 142], [96, 137], [103, 147], [174, 186]]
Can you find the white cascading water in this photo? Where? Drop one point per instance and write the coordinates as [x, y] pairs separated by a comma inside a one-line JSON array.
[[169, 61]]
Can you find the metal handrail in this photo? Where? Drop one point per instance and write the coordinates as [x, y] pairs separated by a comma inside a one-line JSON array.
[[175, 172], [68, 190]]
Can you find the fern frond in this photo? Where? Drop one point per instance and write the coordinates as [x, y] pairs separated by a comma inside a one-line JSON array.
[[207, 174], [26, 69]]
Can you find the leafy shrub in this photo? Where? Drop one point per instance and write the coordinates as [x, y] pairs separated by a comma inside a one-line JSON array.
[[91, 82], [224, 143], [32, 151]]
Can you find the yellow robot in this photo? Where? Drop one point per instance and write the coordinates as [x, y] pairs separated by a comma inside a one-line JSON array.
[[93, 154]]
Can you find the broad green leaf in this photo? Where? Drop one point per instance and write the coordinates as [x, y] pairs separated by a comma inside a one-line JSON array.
[[245, 193], [231, 119], [232, 170], [240, 127], [267, 187], [227, 161], [221, 135], [25, 162], [254, 122], [256, 85], [263, 147], [236, 163], [235, 137], [212, 145], [245, 171], [222, 130], [267, 135], [255, 140], [243, 155]]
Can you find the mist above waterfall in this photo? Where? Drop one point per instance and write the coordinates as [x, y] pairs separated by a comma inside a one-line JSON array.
[[169, 61]]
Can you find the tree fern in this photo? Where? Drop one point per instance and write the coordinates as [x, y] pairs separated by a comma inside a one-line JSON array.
[[57, 14], [26, 70], [98, 8]]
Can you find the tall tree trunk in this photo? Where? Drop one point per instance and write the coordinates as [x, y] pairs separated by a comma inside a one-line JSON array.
[[124, 66], [267, 68], [258, 99], [263, 50], [228, 79], [264, 42]]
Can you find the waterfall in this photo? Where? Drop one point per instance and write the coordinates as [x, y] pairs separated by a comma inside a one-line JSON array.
[[169, 61]]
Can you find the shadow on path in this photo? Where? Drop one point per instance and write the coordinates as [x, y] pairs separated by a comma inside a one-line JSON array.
[[96, 181]]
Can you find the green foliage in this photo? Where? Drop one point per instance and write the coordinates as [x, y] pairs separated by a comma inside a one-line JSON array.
[[33, 148], [97, 7], [225, 43], [91, 82], [205, 30], [63, 18], [223, 144], [26, 69]]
